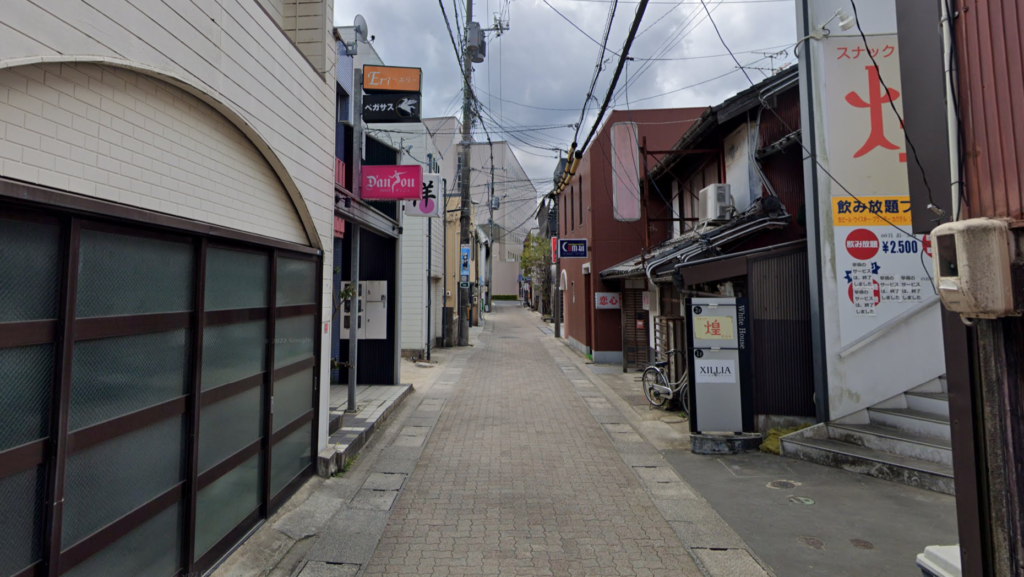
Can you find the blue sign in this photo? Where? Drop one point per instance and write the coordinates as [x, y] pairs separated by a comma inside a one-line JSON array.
[[464, 266], [572, 248]]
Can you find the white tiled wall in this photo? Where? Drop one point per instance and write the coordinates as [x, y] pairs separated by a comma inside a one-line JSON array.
[[124, 137], [228, 53]]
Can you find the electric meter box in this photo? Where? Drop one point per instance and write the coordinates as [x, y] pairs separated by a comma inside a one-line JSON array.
[[972, 260]]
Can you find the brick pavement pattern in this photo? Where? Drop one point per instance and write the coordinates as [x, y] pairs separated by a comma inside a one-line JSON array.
[[518, 478]]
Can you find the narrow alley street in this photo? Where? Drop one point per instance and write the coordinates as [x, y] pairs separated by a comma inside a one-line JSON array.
[[518, 478]]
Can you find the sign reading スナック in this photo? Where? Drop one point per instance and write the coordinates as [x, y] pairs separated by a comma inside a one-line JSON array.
[[879, 271], [607, 301], [392, 182], [427, 204], [391, 79], [392, 107]]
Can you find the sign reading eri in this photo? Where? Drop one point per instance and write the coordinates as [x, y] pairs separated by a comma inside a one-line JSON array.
[[392, 182], [391, 79]]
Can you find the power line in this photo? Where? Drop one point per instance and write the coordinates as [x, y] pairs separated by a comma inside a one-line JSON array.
[[597, 68], [818, 163], [618, 69]]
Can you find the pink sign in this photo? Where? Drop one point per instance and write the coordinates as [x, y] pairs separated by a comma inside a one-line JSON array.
[[403, 182]]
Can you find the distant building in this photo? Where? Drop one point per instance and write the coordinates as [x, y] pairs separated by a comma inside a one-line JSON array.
[[585, 211]]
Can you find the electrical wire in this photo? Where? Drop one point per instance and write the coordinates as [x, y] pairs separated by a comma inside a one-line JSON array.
[[597, 68], [906, 135], [641, 8]]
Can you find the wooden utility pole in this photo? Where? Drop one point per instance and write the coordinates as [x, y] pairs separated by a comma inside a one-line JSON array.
[[465, 301]]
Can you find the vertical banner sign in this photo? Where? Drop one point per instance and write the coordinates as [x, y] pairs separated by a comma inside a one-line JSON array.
[[427, 204], [554, 250], [879, 271], [464, 262], [721, 390], [625, 172], [392, 182]]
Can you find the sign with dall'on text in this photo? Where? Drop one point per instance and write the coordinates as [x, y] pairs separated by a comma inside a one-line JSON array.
[[392, 182]]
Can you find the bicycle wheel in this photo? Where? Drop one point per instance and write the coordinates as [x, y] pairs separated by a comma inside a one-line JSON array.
[[653, 377], [684, 396]]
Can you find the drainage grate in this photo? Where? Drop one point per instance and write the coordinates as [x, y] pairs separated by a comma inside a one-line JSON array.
[[636, 399], [606, 369]]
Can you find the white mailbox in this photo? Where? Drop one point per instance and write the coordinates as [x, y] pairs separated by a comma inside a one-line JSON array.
[[972, 260]]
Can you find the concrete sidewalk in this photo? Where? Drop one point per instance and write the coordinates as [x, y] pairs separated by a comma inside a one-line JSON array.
[[279, 547], [800, 518], [514, 459]]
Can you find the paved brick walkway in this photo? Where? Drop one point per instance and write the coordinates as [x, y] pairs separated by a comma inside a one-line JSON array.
[[519, 479]]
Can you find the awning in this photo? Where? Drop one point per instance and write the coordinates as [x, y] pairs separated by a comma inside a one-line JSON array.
[[700, 243], [727, 266]]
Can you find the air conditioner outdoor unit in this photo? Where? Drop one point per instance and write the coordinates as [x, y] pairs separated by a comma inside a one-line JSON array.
[[715, 204]]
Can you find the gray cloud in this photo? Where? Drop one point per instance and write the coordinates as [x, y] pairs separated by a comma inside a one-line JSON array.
[[543, 62]]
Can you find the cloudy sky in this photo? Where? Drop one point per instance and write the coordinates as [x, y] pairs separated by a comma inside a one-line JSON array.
[[535, 77]]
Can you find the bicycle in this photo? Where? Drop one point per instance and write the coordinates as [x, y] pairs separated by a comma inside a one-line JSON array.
[[659, 390]]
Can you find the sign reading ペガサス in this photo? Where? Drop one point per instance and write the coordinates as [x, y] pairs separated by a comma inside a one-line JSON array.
[[392, 182], [391, 79], [392, 107]]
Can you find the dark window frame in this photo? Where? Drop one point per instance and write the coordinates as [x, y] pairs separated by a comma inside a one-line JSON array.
[[73, 214]]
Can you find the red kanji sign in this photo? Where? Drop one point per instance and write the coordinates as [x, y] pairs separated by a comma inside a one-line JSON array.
[[862, 244]]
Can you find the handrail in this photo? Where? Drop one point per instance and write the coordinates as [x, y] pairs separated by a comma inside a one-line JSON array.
[[892, 323]]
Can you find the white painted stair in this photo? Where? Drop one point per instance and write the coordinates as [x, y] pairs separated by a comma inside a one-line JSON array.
[[906, 439]]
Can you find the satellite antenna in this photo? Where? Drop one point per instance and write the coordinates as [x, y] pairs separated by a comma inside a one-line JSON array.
[[362, 31]]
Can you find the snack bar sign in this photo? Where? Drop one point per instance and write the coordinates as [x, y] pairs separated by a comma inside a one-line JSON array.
[[392, 107], [391, 79], [392, 182]]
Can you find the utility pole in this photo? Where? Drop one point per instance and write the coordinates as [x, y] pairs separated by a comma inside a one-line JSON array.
[[357, 167], [465, 301], [490, 261]]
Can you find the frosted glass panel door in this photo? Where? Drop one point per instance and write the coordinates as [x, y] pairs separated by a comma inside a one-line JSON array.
[[30, 265]]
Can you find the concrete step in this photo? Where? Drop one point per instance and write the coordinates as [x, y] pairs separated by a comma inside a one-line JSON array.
[[937, 403], [911, 421], [894, 441], [914, 472]]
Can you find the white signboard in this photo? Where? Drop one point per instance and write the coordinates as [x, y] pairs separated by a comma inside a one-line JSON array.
[[879, 270], [607, 301], [647, 300], [430, 204], [714, 371]]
